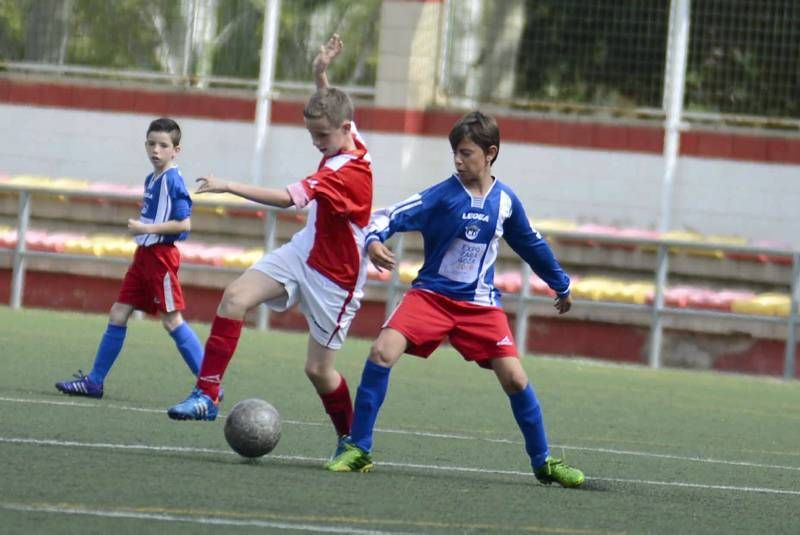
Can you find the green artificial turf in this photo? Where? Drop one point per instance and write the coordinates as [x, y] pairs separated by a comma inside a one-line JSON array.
[[664, 451]]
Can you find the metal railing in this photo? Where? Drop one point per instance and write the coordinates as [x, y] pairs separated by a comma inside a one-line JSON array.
[[394, 286]]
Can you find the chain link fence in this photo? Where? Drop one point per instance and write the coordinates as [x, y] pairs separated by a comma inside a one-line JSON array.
[[744, 59], [596, 56], [200, 43], [562, 54], [578, 56]]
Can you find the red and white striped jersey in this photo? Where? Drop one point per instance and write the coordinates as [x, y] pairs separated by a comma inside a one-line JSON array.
[[339, 200]]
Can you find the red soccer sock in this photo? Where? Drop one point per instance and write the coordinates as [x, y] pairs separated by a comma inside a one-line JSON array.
[[221, 344], [339, 407]]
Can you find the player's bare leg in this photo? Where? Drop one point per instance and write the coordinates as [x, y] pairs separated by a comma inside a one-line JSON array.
[[332, 389], [250, 289], [385, 352], [527, 412]]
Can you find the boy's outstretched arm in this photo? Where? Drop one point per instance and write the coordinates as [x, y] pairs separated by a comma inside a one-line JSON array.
[[269, 196], [327, 52], [529, 244]]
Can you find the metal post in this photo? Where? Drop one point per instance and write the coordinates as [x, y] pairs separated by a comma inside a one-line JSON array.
[[789, 369], [656, 327], [674, 82], [269, 46], [445, 43], [191, 15], [18, 271], [270, 222], [521, 321], [394, 281]]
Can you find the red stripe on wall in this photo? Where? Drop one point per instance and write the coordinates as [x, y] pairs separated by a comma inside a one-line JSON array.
[[562, 133]]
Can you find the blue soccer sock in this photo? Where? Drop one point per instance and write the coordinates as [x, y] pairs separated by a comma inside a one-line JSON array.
[[107, 352], [369, 398], [189, 346], [528, 414]]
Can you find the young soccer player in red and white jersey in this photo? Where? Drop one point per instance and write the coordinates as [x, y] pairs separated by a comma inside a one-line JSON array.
[[461, 220], [321, 268]]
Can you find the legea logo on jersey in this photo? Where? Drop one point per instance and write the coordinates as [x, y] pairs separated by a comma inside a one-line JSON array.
[[473, 215], [472, 230]]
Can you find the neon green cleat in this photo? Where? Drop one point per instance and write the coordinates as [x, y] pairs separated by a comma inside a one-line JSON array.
[[555, 471], [352, 459]]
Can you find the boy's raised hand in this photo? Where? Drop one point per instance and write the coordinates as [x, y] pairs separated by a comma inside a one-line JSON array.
[[211, 184], [380, 256], [327, 52]]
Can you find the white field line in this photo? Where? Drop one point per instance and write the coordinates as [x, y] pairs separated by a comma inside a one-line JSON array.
[[205, 520], [427, 467], [449, 436]]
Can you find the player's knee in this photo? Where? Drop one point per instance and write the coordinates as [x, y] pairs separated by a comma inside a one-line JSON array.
[[316, 372], [514, 383], [119, 314], [312, 372], [511, 376], [379, 354], [513, 379], [171, 320], [233, 304]]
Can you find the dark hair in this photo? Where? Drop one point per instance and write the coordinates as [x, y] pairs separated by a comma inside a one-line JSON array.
[[479, 128], [169, 126], [330, 103]]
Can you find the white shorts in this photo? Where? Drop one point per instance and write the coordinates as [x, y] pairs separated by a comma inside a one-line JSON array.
[[328, 308]]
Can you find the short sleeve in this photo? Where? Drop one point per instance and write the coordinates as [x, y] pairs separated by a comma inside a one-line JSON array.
[[340, 188]]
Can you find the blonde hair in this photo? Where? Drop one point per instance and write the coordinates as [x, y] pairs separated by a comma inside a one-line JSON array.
[[330, 103]]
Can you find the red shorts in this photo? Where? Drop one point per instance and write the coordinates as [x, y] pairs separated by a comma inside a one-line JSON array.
[[480, 333], [151, 283]]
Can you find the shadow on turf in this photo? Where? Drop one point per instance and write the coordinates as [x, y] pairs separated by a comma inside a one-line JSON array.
[[589, 485], [266, 462], [593, 485]]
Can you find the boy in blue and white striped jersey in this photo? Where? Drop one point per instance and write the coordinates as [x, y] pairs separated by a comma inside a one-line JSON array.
[[461, 220], [151, 283]]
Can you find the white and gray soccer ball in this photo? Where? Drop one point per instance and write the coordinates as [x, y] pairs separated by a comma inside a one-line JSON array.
[[253, 428]]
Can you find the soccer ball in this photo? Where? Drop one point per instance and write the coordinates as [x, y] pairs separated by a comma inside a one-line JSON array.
[[253, 428]]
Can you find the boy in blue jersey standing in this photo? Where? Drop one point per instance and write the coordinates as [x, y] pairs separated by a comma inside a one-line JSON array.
[[461, 221], [151, 283]]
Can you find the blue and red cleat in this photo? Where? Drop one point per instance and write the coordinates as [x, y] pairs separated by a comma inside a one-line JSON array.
[[81, 386], [198, 406]]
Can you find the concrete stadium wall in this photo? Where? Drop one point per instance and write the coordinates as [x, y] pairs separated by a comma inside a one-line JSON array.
[[576, 174], [628, 343]]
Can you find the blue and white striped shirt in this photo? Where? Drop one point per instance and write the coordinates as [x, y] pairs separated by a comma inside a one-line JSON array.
[[165, 199], [461, 235]]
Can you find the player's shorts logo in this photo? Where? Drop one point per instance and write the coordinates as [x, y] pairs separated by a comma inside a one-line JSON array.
[[505, 342]]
